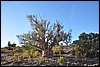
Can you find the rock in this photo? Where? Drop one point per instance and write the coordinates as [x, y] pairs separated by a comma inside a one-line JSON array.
[[85, 64]]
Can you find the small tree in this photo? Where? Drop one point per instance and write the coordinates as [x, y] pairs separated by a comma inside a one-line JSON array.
[[43, 34], [87, 45]]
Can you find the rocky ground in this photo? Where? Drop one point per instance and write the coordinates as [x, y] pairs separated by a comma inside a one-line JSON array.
[[50, 61]]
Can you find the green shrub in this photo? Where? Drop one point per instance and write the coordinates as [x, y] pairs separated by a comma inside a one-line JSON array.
[[60, 59], [25, 54], [36, 53], [16, 55], [57, 49], [6, 50]]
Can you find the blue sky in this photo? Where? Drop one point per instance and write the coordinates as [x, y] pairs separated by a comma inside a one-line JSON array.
[[80, 16]]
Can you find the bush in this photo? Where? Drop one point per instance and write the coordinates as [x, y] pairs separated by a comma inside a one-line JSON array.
[[60, 59], [43, 58], [36, 53], [6, 51], [87, 45], [25, 54], [16, 55], [57, 49]]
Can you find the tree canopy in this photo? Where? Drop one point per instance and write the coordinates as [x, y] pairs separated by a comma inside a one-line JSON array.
[[87, 45], [43, 34]]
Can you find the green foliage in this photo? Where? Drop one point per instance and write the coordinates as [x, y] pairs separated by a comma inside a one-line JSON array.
[[60, 59], [18, 49], [57, 49], [6, 47], [26, 47], [6, 50], [76, 50], [42, 30], [87, 45], [43, 59], [25, 54], [36, 53], [16, 55], [33, 49], [30, 50]]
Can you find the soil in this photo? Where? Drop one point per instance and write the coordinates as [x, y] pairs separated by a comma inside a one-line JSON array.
[[50, 61]]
